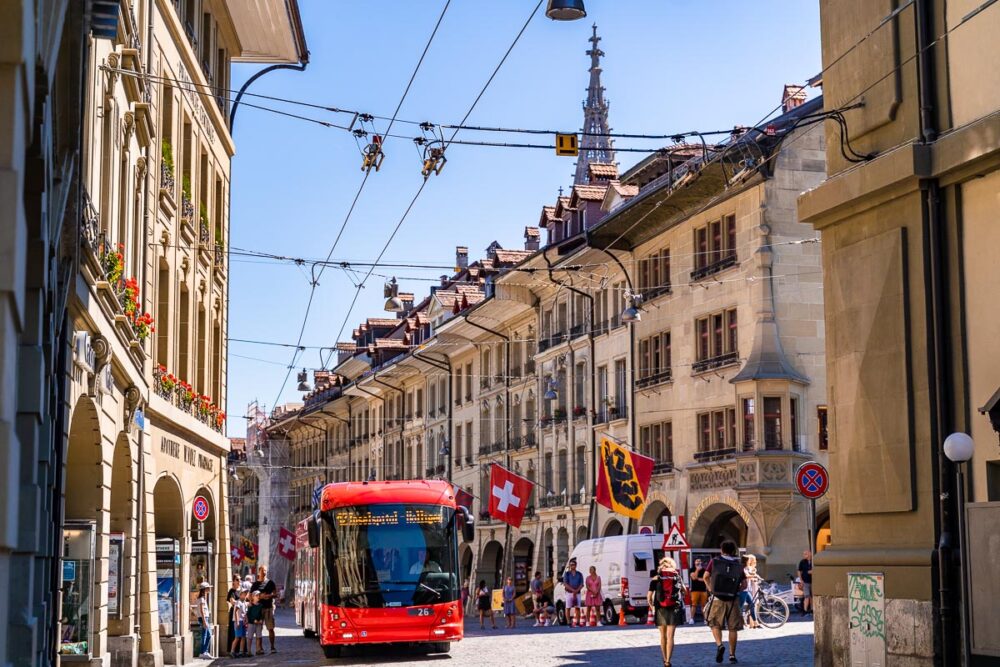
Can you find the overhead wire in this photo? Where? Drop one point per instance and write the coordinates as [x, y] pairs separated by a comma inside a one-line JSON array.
[[423, 184], [315, 282]]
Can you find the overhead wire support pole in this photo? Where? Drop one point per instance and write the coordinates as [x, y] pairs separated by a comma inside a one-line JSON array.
[[592, 511]]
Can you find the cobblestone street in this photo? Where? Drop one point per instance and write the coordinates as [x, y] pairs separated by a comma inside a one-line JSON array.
[[635, 646]]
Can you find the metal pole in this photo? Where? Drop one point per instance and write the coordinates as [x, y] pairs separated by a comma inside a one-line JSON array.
[[812, 527], [963, 565]]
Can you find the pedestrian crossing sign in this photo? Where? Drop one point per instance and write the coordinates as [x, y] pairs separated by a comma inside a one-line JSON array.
[[674, 540], [566, 144]]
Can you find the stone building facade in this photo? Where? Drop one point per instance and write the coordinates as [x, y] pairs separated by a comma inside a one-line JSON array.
[[524, 359], [909, 227], [42, 52], [146, 455]]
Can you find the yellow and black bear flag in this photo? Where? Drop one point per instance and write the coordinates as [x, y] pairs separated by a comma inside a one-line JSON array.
[[622, 479]]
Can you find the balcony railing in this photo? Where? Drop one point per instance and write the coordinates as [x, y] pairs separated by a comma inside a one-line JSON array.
[[713, 363], [553, 500], [654, 292], [714, 267], [578, 330], [654, 379], [714, 454], [661, 468], [529, 368], [576, 499], [484, 450]]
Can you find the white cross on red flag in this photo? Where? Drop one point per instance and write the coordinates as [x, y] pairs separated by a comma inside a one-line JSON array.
[[286, 543], [509, 495]]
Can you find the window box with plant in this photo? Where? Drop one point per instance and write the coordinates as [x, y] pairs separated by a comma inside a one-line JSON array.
[[559, 415], [187, 204], [579, 412], [167, 182], [204, 231]]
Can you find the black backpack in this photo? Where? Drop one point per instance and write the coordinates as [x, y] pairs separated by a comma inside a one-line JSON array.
[[726, 577], [668, 591]]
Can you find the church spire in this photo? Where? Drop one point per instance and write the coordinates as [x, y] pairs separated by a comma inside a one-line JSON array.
[[595, 145]]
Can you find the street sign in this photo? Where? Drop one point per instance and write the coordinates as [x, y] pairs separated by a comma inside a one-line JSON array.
[[674, 540], [812, 480], [200, 508], [566, 144]]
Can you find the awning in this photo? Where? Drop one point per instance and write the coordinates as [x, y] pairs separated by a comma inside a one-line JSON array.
[[270, 31]]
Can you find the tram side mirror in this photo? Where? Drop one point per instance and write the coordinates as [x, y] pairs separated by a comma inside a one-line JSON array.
[[313, 528], [468, 524]]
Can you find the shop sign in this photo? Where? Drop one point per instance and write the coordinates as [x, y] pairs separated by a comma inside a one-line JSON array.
[[69, 570]]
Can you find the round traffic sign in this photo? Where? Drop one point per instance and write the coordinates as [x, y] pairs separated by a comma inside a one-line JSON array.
[[812, 480], [200, 508]]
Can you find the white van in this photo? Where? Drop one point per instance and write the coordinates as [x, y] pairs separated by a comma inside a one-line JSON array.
[[622, 559], [629, 557]]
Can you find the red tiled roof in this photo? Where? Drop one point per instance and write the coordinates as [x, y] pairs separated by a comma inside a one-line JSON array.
[[346, 347], [389, 344], [590, 192], [512, 256], [625, 190], [381, 322], [532, 232], [603, 169]]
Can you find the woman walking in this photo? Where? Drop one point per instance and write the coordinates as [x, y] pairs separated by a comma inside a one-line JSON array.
[[509, 610], [753, 582], [666, 595], [594, 598], [205, 619], [484, 605]]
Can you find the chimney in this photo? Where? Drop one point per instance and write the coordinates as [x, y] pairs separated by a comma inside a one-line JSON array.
[[792, 96], [445, 280], [461, 258], [531, 238]]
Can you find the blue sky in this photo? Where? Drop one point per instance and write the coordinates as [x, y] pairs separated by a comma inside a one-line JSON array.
[[670, 65]]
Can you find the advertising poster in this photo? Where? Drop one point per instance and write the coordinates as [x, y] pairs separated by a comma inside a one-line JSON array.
[[166, 586], [115, 553]]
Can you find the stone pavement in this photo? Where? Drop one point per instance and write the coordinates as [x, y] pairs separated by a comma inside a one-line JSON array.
[[634, 646]]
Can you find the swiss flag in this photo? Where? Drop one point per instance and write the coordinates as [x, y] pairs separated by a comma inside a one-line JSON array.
[[509, 495], [237, 554], [286, 543]]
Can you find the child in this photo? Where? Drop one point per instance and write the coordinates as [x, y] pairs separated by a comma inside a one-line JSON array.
[[255, 623], [239, 647]]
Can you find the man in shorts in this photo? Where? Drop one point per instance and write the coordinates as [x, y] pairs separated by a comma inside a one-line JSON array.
[[699, 591], [268, 591], [805, 572], [537, 588], [725, 579], [573, 583]]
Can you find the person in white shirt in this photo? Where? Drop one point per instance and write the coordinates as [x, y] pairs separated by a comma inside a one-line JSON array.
[[204, 612]]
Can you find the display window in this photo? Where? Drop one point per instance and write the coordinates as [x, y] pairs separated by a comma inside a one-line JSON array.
[[202, 566], [77, 589], [168, 561]]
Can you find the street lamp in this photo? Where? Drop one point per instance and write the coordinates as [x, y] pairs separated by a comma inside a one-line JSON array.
[[393, 304], [960, 448], [304, 381], [551, 392], [632, 312], [565, 10]]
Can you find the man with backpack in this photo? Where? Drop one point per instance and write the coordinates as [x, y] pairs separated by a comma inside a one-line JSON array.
[[666, 595], [725, 578]]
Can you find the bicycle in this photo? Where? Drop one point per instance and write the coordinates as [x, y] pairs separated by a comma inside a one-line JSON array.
[[768, 604]]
